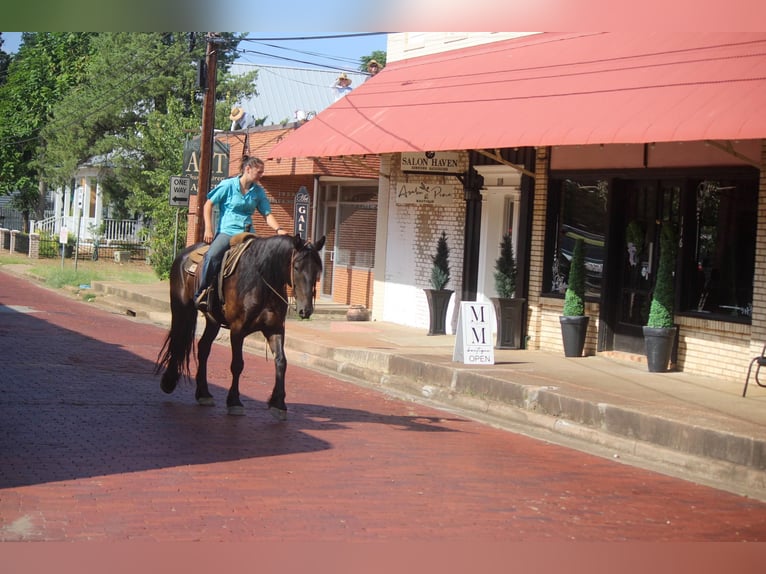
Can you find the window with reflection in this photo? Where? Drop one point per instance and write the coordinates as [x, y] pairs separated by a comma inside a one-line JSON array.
[[576, 209], [719, 247]]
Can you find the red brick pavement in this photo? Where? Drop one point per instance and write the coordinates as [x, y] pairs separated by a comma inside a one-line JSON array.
[[91, 449]]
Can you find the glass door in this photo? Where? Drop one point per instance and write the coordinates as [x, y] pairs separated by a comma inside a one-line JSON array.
[[328, 265], [641, 207]]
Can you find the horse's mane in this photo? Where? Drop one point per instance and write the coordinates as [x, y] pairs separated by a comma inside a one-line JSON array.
[[266, 259]]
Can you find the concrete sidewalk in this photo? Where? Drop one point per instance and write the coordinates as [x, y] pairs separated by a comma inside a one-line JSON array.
[[689, 426]]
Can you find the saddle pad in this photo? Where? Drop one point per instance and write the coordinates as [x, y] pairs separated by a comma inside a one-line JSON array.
[[194, 260], [235, 252]]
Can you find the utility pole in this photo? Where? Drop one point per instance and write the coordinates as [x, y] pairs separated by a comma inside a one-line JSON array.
[[196, 226]]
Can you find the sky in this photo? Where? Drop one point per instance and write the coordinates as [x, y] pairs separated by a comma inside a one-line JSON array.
[[296, 49]]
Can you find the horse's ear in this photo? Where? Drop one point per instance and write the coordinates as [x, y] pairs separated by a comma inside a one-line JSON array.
[[298, 242], [319, 244]]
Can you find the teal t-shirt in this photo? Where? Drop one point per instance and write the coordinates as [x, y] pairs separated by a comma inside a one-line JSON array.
[[236, 210]]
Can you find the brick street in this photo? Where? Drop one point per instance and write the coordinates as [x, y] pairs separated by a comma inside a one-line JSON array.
[[91, 449]]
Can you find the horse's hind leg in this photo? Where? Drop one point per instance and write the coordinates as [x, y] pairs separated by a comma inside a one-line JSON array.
[[202, 394], [234, 405], [277, 406]]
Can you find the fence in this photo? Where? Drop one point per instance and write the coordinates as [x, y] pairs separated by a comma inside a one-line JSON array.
[[43, 245], [112, 230]]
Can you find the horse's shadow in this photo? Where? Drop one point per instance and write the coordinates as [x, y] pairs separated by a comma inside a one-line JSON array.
[[322, 417], [74, 406]]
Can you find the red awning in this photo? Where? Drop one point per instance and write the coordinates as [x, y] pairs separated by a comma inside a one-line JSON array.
[[551, 89]]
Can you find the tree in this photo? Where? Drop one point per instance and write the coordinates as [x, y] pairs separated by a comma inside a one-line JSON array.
[[5, 59], [378, 55], [663, 298], [46, 67], [574, 298], [440, 271], [505, 269], [137, 105]]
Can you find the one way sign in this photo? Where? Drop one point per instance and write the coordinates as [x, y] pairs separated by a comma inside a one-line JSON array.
[[179, 191]]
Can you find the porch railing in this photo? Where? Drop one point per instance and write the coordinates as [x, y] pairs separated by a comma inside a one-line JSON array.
[[114, 230]]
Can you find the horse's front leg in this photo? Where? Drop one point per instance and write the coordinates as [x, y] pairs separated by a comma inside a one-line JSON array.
[[277, 406], [202, 394], [234, 405]]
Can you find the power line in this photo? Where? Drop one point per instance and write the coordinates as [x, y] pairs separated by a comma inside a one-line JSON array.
[[295, 60], [325, 37]]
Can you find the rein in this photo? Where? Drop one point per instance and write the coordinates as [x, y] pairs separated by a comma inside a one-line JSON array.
[[292, 277]]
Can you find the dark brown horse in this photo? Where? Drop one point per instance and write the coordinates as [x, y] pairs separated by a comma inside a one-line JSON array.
[[254, 298]]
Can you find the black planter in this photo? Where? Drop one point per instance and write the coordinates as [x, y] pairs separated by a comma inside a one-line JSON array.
[[659, 342], [573, 331], [438, 301], [510, 316]]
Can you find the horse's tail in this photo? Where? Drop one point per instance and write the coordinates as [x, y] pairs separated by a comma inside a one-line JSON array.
[[178, 347]]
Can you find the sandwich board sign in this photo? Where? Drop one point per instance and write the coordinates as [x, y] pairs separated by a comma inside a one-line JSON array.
[[473, 341]]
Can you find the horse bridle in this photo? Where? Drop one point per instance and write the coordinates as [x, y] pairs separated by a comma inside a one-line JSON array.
[[306, 245]]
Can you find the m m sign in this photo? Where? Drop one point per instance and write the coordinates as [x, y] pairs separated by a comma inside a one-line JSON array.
[[473, 341]]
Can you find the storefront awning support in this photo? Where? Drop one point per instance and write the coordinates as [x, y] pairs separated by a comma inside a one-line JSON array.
[[727, 147], [499, 159]]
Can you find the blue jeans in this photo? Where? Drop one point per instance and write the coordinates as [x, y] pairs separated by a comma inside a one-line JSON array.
[[211, 265]]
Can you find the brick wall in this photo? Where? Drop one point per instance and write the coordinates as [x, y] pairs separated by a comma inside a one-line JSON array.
[[413, 232]]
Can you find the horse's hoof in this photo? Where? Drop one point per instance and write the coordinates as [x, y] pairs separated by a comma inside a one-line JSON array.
[[206, 402], [236, 410], [279, 414], [167, 386]]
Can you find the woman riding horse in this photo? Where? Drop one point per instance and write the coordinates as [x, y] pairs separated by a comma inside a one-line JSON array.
[[237, 199]]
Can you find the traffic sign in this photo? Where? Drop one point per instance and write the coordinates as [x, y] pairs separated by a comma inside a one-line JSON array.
[[179, 191]]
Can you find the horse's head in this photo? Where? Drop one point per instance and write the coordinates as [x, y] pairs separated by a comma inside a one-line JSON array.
[[306, 270]]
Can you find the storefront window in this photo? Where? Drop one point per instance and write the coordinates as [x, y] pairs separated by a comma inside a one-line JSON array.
[[577, 210], [721, 239]]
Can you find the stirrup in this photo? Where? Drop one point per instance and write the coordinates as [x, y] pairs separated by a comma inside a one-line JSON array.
[[201, 302]]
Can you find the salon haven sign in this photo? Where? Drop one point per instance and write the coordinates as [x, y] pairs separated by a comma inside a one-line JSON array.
[[445, 162]]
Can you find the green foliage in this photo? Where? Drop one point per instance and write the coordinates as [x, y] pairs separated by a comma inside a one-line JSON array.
[[574, 299], [5, 59], [133, 111], [661, 310], [46, 67], [378, 55], [440, 272], [161, 237], [505, 269]]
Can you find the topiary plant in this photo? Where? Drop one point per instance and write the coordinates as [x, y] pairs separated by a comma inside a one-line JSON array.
[[574, 299], [440, 274], [505, 269], [661, 310]]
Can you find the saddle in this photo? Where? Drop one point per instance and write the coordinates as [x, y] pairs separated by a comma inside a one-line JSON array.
[[237, 245]]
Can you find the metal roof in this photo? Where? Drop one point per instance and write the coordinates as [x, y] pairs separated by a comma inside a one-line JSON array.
[[282, 90]]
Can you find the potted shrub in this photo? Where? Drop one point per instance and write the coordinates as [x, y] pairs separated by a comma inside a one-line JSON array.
[[508, 308], [660, 331], [438, 296], [574, 322]]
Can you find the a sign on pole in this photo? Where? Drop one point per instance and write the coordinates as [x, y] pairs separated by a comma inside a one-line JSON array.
[[301, 215], [473, 341], [63, 235], [179, 191]]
